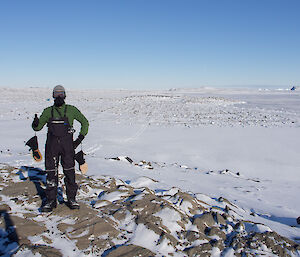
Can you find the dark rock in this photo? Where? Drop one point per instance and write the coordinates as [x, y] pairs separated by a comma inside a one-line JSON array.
[[129, 251]]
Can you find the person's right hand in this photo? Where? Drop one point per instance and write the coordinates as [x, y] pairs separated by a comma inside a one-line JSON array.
[[36, 120]]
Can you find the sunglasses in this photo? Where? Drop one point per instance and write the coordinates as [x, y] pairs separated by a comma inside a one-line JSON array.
[[59, 94]]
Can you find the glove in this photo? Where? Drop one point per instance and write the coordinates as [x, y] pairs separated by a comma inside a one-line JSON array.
[[35, 122], [78, 141], [34, 147], [37, 156]]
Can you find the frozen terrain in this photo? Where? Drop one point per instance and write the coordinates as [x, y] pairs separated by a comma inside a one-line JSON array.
[[240, 145]]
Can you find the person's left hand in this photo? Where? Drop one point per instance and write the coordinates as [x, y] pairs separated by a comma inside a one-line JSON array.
[[78, 141]]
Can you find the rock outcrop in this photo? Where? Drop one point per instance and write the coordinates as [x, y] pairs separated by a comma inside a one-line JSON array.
[[118, 219]]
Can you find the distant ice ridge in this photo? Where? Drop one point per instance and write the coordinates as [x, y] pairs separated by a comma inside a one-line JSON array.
[[192, 110], [197, 107]]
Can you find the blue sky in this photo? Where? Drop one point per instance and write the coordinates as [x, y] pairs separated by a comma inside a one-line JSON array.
[[139, 44]]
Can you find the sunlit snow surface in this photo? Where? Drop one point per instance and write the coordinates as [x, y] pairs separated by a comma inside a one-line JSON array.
[[239, 144]]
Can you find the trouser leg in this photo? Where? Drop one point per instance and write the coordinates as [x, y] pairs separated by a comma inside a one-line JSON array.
[[51, 165], [71, 186], [51, 185], [68, 163]]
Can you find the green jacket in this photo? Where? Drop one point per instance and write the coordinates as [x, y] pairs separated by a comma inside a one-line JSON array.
[[72, 114]]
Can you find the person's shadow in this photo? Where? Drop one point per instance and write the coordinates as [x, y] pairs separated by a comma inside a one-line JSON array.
[[8, 236]]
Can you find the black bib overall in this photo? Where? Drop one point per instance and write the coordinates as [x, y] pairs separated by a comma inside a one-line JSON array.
[[59, 147]]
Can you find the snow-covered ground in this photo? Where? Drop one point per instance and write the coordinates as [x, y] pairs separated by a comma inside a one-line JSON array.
[[239, 144]]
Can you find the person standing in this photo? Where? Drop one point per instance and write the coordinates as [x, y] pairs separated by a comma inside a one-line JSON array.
[[60, 146]]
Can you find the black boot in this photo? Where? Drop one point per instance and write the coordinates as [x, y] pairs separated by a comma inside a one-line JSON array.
[[49, 206], [72, 204]]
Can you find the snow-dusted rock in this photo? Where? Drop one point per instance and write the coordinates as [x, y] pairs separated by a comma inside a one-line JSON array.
[[128, 219]]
